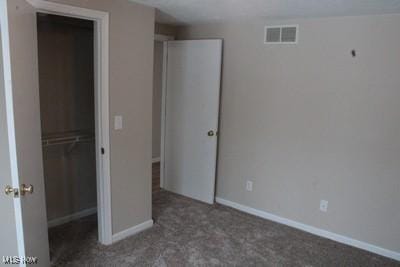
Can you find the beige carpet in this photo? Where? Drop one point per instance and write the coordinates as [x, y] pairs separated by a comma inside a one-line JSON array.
[[190, 233]]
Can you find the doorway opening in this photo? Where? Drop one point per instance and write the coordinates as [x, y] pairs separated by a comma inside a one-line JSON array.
[[159, 75], [67, 112], [19, 31], [187, 76], [157, 97]]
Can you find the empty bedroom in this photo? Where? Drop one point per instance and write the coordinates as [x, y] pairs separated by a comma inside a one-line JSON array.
[[200, 133]]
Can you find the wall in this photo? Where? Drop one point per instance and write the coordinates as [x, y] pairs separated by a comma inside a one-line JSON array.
[[308, 122], [157, 95], [131, 78], [166, 29]]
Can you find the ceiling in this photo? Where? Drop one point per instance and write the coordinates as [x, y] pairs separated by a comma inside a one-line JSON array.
[[201, 11]]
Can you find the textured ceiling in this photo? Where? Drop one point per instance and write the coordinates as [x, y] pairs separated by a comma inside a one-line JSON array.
[[200, 11]]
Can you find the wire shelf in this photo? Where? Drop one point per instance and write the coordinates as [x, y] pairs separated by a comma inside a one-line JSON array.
[[64, 138]]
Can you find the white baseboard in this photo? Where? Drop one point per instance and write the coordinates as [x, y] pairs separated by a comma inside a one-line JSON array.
[[154, 160], [132, 231], [71, 217], [311, 229]]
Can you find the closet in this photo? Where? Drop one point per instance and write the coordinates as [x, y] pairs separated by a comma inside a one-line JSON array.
[[66, 82]]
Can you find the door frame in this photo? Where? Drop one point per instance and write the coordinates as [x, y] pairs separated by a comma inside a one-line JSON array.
[[164, 39], [102, 121]]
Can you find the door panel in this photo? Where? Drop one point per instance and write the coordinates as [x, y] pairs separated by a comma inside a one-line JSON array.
[[19, 17], [7, 226], [192, 110]]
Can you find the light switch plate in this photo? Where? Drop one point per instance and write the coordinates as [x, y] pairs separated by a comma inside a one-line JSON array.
[[118, 122]]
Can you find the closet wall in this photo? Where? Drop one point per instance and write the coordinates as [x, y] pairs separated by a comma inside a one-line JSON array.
[[66, 79]]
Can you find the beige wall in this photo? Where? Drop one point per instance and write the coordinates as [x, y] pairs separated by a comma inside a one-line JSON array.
[[308, 122], [157, 94], [131, 78]]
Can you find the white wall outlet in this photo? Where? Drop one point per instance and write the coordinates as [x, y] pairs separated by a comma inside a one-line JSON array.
[[118, 122], [249, 186], [323, 205]]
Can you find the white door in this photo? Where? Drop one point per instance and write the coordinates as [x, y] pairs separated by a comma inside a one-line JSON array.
[[21, 92], [8, 230], [191, 117]]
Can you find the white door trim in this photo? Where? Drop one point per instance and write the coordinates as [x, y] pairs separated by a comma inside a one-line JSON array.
[[164, 39], [12, 146], [163, 112], [101, 33]]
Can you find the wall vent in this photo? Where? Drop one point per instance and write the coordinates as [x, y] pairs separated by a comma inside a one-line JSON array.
[[281, 34]]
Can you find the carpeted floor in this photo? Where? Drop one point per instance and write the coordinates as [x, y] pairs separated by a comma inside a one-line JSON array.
[[189, 233]]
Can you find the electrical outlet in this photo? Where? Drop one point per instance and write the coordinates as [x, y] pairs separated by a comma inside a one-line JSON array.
[[249, 186], [323, 205]]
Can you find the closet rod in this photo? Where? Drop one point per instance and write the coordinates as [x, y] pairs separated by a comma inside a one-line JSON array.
[[69, 139]]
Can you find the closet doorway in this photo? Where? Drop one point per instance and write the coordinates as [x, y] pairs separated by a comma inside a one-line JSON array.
[[18, 22], [67, 89]]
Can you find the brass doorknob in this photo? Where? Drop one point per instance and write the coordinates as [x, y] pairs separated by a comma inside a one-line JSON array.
[[26, 189], [210, 133], [8, 190]]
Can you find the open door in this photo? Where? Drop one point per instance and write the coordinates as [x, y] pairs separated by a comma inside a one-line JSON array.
[[8, 231], [191, 117], [21, 114]]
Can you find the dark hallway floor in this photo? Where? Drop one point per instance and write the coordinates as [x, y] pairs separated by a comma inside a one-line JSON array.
[[189, 233], [156, 177]]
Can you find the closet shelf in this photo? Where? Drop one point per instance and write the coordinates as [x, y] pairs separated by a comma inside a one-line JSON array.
[[64, 138]]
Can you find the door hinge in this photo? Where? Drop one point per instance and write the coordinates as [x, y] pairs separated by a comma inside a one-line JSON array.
[[103, 151]]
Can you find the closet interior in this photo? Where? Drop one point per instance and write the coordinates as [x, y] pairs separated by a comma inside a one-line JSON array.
[[67, 106]]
